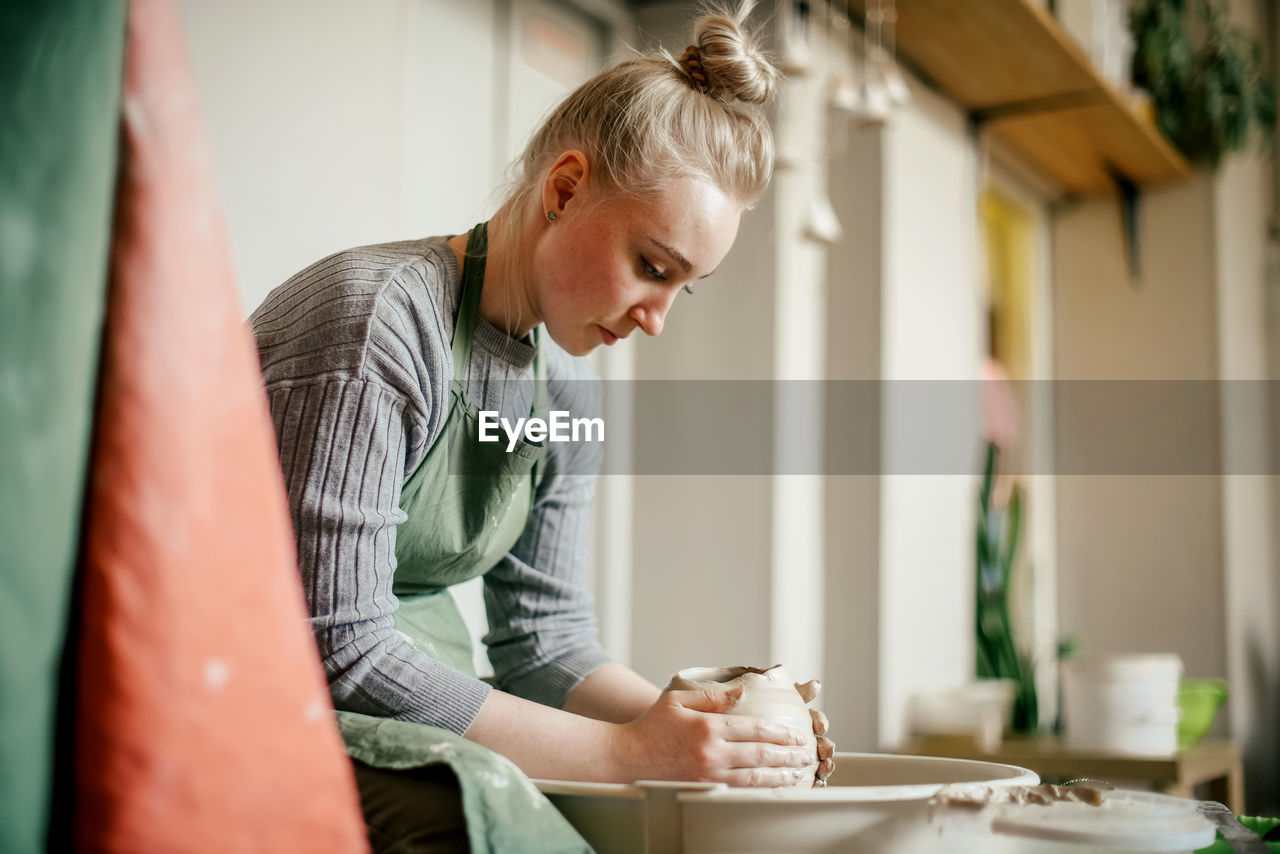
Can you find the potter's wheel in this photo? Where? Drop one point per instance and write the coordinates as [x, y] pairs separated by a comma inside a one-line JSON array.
[[873, 803]]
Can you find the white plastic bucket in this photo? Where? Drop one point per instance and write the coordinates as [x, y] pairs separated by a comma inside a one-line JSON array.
[[1122, 702]]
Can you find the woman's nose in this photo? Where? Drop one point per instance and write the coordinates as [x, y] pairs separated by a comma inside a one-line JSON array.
[[652, 313]]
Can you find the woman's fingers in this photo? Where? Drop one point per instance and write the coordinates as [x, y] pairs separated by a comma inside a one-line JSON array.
[[809, 690], [710, 700], [819, 722], [742, 728], [772, 778], [826, 748], [826, 761], [761, 752], [686, 735], [740, 750], [748, 755], [765, 765]]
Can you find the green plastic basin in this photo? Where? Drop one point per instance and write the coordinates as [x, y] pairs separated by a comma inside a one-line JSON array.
[[1198, 702]]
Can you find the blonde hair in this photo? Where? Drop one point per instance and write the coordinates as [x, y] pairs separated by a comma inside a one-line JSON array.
[[653, 119]]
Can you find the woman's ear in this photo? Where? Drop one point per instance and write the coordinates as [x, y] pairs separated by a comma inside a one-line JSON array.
[[566, 181]]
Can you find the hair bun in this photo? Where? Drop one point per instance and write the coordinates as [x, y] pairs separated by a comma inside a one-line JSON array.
[[734, 66]]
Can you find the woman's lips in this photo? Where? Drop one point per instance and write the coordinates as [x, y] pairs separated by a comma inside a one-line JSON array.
[[608, 337]]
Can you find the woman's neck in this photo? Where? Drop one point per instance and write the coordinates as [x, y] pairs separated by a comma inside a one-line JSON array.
[[503, 301]]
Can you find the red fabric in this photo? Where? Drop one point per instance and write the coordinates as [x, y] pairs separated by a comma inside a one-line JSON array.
[[203, 723]]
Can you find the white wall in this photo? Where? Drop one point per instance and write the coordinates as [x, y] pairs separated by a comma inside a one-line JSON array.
[[1140, 554], [933, 326], [1243, 201], [333, 126], [852, 420]]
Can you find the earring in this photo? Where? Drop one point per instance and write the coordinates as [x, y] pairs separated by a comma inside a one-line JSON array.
[[551, 216]]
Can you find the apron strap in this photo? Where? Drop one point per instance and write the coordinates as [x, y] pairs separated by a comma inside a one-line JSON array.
[[539, 374], [473, 264], [539, 397], [464, 327]]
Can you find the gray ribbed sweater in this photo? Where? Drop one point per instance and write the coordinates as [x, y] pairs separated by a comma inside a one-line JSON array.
[[355, 352]]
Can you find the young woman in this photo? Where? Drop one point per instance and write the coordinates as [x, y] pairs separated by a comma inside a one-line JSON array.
[[377, 362]]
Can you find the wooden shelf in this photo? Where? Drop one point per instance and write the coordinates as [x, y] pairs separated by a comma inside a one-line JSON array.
[[1011, 64]]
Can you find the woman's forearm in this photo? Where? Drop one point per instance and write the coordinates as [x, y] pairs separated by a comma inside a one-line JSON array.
[[612, 693], [684, 735], [545, 742], [576, 743]]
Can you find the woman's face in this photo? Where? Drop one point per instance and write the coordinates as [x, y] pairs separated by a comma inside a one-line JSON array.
[[604, 269]]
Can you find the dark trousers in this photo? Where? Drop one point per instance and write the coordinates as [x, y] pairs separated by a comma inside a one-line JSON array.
[[414, 811]]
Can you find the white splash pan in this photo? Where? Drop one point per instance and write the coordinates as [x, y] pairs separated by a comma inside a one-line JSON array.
[[866, 790], [874, 803]]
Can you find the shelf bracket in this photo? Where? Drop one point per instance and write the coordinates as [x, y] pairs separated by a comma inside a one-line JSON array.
[[1130, 196]]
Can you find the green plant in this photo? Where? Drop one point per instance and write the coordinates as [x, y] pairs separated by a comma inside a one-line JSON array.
[[996, 654], [1209, 92], [1066, 648]]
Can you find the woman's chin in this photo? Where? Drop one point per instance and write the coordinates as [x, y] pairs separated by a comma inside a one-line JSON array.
[[580, 345]]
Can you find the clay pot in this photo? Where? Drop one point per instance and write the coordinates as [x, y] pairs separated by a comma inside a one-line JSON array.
[[767, 693]]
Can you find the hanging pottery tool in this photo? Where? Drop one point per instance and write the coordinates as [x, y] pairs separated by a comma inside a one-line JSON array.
[[795, 59], [845, 97], [820, 221], [883, 85], [876, 105], [895, 83]]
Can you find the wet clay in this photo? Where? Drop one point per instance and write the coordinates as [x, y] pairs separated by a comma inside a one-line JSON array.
[[977, 797]]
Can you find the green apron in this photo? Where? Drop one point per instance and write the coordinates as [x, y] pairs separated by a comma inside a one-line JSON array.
[[467, 504]]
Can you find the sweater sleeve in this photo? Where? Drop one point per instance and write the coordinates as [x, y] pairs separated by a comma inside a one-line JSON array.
[[342, 445], [355, 359], [542, 639]]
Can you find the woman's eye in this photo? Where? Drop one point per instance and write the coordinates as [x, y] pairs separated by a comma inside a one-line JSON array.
[[688, 289], [653, 272]]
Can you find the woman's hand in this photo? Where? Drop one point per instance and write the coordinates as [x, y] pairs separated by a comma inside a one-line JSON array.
[[826, 747], [685, 736]]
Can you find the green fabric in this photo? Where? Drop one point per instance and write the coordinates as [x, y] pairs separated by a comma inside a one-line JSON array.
[[468, 501], [60, 76], [1259, 826], [467, 504], [505, 812], [434, 624]]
